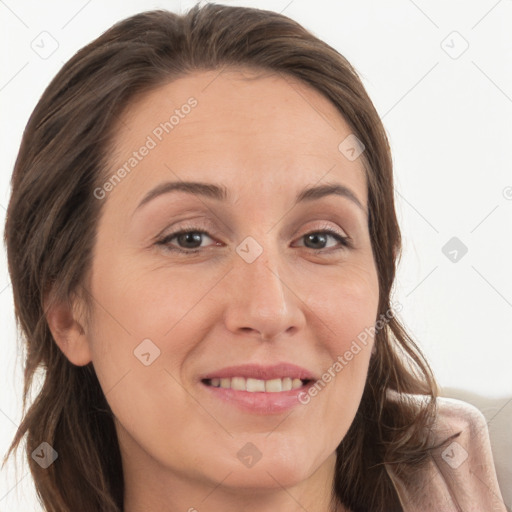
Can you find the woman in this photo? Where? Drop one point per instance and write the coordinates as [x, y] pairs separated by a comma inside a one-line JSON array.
[[261, 367]]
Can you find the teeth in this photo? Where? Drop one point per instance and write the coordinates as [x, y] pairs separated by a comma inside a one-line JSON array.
[[257, 385], [274, 385], [296, 383], [254, 384], [237, 383], [287, 384]]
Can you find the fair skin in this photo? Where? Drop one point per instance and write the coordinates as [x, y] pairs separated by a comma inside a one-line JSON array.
[[300, 302]]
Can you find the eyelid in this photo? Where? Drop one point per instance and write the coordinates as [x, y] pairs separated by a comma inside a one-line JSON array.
[[327, 227], [210, 229], [189, 225], [344, 241]]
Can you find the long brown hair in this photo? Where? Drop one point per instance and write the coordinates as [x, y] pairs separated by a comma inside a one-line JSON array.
[[50, 233]]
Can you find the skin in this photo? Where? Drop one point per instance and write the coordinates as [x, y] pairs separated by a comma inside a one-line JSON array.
[[265, 138]]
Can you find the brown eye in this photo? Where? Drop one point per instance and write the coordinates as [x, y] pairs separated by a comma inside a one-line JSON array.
[[187, 241], [318, 239]]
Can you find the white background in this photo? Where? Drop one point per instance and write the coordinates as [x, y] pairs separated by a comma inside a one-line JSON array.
[[449, 121]]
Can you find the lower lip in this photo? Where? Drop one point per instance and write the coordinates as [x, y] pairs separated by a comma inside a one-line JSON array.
[[260, 402]]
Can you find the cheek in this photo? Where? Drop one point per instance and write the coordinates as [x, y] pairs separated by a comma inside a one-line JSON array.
[[347, 304], [140, 375], [152, 301], [144, 328], [348, 313]]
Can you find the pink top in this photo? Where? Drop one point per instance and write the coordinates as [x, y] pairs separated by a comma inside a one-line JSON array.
[[460, 477]]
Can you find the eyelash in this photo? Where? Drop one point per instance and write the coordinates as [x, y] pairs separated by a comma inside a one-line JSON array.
[[345, 241]]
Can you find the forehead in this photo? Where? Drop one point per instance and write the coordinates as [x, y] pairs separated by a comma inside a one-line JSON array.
[[240, 126]]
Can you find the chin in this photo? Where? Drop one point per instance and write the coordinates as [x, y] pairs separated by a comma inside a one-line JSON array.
[[273, 474], [279, 463]]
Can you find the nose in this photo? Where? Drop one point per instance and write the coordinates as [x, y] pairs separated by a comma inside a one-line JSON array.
[[261, 302]]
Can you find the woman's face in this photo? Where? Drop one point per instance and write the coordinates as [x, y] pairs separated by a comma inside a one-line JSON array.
[[266, 284]]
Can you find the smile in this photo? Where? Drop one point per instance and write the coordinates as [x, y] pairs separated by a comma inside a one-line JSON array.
[[257, 385]]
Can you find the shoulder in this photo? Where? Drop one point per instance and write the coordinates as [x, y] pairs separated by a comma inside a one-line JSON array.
[[460, 474], [452, 416], [466, 462], [455, 416]]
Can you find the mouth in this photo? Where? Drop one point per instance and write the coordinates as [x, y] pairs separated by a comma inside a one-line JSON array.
[[258, 389], [256, 396], [251, 385]]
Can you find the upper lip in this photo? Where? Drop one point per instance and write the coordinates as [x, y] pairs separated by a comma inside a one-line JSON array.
[[262, 372]]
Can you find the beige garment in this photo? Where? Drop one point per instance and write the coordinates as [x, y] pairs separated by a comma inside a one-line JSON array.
[[460, 477]]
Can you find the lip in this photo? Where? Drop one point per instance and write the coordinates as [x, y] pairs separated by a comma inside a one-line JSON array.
[[255, 371], [259, 402]]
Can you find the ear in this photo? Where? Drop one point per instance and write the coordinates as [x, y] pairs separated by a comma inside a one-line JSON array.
[[66, 327]]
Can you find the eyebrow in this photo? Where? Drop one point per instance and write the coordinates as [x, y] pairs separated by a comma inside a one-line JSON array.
[[221, 193]]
